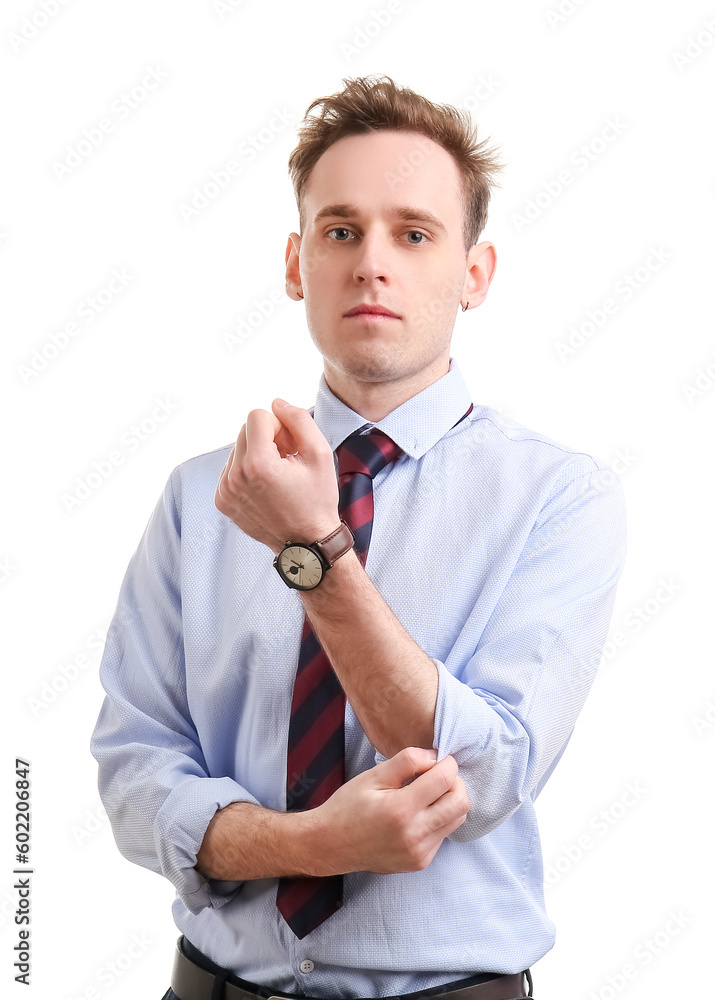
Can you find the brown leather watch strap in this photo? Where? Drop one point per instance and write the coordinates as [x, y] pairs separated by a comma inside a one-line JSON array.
[[336, 544]]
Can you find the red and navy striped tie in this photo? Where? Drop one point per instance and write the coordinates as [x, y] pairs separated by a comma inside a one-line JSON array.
[[316, 737]]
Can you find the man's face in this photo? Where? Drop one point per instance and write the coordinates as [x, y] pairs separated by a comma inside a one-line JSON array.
[[383, 226]]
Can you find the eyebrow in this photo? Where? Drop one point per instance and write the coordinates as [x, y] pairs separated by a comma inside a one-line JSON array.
[[407, 213]]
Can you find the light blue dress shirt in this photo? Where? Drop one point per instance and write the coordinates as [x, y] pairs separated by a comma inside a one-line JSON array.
[[499, 550]]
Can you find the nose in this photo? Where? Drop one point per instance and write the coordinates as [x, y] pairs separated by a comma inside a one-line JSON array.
[[372, 261]]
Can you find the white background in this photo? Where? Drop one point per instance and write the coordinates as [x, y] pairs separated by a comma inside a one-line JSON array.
[[540, 87]]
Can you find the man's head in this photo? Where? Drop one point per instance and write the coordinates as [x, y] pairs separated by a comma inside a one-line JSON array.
[[378, 166]]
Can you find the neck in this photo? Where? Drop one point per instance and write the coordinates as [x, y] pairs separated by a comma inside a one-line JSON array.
[[374, 400]]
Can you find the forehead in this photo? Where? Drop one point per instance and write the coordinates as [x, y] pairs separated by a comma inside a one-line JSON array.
[[384, 170]]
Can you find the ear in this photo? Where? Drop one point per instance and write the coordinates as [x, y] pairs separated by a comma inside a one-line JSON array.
[[481, 265], [293, 282]]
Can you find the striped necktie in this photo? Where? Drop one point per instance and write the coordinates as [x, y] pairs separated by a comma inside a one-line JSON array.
[[316, 737]]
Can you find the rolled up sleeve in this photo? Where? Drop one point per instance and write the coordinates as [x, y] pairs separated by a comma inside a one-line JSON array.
[[507, 714], [153, 779]]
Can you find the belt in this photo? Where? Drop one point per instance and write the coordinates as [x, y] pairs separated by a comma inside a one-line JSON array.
[[190, 981]]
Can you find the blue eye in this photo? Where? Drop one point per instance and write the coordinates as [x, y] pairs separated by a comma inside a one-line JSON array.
[[339, 229]]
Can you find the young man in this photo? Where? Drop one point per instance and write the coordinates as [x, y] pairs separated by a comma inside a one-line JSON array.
[[350, 650]]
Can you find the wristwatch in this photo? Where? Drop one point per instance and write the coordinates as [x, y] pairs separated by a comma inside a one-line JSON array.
[[302, 566]]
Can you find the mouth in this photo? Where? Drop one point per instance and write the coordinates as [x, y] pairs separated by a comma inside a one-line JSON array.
[[371, 314]]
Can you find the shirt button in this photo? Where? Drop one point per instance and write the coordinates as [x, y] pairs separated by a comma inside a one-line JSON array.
[[306, 965]]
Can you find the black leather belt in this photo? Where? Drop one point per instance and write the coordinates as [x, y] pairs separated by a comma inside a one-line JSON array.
[[192, 982]]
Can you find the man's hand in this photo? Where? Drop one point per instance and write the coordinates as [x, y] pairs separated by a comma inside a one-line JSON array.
[[279, 481], [394, 816]]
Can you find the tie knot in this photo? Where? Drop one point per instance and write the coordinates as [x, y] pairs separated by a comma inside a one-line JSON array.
[[366, 453]]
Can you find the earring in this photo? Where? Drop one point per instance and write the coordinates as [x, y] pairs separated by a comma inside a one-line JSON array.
[[300, 295], [464, 308]]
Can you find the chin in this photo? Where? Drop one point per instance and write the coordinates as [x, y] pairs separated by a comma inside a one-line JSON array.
[[383, 369]]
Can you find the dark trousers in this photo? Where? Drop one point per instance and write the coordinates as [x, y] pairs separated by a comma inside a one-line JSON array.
[[206, 963]]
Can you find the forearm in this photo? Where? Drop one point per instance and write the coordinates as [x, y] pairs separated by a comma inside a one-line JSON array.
[[245, 841], [389, 681]]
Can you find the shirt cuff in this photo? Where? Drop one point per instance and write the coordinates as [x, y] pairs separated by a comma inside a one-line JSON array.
[[455, 700], [179, 832], [462, 723]]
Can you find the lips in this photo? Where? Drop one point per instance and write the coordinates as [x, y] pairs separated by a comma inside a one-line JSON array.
[[367, 310]]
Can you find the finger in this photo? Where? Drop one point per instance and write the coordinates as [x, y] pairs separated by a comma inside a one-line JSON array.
[[445, 829], [229, 461], [238, 452], [261, 430], [405, 766], [432, 784], [235, 458], [285, 442], [449, 811], [310, 441], [223, 478]]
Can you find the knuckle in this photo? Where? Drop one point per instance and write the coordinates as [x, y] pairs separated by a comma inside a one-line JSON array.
[[412, 754], [415, 854], [445, 780], [398, 818], [253, 468], [421, 860]]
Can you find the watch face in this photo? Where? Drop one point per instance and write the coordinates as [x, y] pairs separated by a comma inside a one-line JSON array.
[[300, 567]]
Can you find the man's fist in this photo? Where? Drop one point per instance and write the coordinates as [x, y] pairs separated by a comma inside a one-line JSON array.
[[279, 482]]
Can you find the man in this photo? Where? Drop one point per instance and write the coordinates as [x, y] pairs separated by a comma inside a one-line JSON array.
[[350, 650]]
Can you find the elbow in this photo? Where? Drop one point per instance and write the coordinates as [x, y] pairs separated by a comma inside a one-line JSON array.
[[498, 786]]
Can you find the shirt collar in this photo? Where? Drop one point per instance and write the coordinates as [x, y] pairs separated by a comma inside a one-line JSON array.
[[416, 425]]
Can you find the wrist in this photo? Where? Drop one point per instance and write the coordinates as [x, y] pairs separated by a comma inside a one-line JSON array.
[[313, 843], [306, 536], [303, 565], [345, 576]]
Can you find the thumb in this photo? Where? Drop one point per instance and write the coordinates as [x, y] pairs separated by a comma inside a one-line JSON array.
[[407, 765], [301, 425]]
